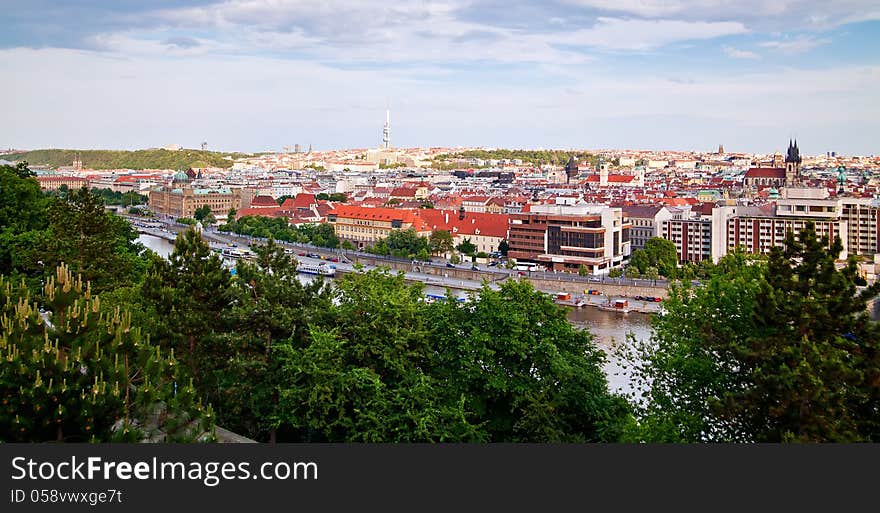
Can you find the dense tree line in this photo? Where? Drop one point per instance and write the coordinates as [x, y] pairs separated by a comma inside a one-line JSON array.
[[118, 159], [769, 350], [102, 340], [535, 157], [279, 229]]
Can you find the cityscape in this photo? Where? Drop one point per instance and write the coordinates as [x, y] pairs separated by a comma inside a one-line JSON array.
[[444, 222]]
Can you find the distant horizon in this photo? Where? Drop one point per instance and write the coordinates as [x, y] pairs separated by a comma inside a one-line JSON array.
[[5, 150]]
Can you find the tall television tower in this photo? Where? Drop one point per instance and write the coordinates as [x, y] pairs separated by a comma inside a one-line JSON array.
[[386, 131]]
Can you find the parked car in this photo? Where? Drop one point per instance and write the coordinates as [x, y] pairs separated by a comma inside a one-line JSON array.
[[474, 268], [302, 253], [334, 259], [450, 265]]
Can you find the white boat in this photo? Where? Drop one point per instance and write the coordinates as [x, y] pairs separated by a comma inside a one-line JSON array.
[[321, 269]]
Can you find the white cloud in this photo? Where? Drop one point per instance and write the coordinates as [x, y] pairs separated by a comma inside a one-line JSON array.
[[810, 14], [251, 103], [796, 45], [736, 53], [630, 34]]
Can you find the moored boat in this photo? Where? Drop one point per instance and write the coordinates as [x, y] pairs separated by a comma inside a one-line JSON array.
[[320, 269]]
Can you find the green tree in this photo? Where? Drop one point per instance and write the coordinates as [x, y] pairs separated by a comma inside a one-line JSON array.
[[440, 241], [202, 213], [76, 373], [96, 244], [22, 215], [659, 253], [766, 351], [190, 293], [583, 271], [616, 272], [503, 247], [365, 378], [271, 307], [230, 216], [652, 273], [524, 372], [466, 247]]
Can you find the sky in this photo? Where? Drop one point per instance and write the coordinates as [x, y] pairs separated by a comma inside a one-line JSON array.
[[259, 75]]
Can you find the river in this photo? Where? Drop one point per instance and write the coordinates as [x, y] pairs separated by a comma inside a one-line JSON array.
[[608, 328]]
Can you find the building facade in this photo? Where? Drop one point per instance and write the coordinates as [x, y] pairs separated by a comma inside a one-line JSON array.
[[365, 226], [647, 222], [181, 200], [563, 237]]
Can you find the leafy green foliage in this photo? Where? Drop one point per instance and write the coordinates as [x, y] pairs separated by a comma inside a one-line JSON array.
[[402, 244], [525, 373], [658, 253], [187, 292], [78, 373], [558, 157], [120, 198], [766, 351], [22, 212], [278, 228], [440, 241], [140, 159], [271, 308], [466, 247], [338, 197], [96, 244]]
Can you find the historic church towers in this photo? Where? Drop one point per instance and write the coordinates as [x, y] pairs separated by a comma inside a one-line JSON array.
[[792, 165]]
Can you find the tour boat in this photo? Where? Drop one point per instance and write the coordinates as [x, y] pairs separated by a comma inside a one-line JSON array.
[[321, 269]]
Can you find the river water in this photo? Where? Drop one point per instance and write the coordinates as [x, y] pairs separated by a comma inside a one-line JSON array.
[[608, 328]]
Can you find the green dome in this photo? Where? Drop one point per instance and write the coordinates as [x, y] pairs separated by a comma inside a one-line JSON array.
[[180, 176]]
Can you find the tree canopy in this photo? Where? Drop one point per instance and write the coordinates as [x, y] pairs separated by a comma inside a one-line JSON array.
[[770, 350]]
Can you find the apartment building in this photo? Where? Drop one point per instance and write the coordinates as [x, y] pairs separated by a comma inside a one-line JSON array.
[[647, 222]]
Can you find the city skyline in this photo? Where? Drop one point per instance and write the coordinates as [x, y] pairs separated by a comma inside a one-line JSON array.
[[256, 76]]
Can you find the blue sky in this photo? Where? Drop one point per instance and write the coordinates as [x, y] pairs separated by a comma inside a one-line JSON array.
[[258, 75]]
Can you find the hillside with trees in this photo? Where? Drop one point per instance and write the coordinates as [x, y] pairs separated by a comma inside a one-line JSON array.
[[119, 159], [535, 157]]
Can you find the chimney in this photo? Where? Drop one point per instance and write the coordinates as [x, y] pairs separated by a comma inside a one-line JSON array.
[[447, 218]]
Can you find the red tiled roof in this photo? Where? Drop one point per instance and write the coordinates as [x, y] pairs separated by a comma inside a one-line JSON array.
[[260, 212], [403, 192], [304, 200], [612, 178], [379, 214], [490, 225], [765, 172], [264, 201]]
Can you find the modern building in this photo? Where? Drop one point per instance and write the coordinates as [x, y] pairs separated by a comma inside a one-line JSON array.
[[565, 237]]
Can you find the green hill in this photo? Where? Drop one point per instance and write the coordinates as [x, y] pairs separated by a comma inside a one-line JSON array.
[[139, 159]]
